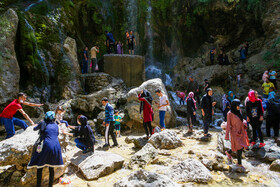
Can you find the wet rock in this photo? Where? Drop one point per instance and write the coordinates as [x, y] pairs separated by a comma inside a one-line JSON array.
[[167, 139], [223, 145], [190, 152], [143, 156], [207, 163], [99, 164], [189, 170], [164, 152], [9, 68], [133, 104], [237, 169], [145, 179], [275, 166], [138, 142]]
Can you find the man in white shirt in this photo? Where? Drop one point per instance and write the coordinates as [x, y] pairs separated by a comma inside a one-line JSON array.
[[93, 52], [162, 106]]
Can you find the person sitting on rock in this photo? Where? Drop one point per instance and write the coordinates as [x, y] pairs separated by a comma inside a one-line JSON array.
[[7, 119], [59, 112], [86, 139], [181, 96], [236, 127], [191, 111], [146, 106], [50, 155], [109, 123]]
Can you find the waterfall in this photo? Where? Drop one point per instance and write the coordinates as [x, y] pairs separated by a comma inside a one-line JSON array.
[[40, 58], [150, 34], [32, 4], [132, 15]]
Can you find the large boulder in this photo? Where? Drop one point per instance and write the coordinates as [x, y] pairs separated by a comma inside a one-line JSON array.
[[275, 166], [9, 68], [133, 103], [17, 151], [143, 157], [130, 68], [98, 164], [189, 170], [71, 68], [166, 139], [138, 141], [145, 179]]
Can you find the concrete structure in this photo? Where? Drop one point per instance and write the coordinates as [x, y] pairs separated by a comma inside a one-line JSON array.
[[130, 68]]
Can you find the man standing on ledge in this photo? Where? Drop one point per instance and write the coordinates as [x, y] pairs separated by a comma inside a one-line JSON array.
[[109, 123], [207, 110], [162, 107], [7, 119]]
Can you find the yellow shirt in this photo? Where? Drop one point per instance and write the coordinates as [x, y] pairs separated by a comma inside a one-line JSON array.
[[266, 87]]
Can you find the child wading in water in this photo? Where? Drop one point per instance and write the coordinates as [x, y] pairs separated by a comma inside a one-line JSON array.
[[59, 112], [118, 120]]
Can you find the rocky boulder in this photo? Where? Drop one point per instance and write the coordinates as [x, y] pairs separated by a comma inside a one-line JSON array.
[[275, 166], [146, 179], [190, 170], [138, 142], [134, 104], [223, 145], [9, 68], [166, 139], [99, 164], [143, 157]]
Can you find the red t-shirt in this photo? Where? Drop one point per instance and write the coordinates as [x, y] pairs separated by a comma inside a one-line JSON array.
[[11, 109]]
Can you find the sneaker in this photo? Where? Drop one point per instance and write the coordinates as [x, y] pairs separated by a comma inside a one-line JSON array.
[[106, 145], [253, 143], [261, 145], [89, 149]]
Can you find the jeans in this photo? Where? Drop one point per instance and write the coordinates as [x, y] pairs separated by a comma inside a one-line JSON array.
[[80, 145], [9, 125], [85, 67], [161, 118]]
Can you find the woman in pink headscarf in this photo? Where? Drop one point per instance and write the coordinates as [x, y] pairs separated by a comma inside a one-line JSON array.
[[191, 110], [254, 112]]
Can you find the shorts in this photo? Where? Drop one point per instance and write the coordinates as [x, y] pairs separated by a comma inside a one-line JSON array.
[[117, 127], [130, 46]]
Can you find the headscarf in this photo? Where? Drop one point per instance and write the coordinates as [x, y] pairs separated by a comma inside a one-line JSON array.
[[225, 101], [191, 95], [50, 115], [229, 97], [148, 97], [233, 109], [83, 120], [252, 98]]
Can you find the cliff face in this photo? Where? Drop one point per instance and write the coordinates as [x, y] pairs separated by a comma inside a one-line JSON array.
[[165, 31]]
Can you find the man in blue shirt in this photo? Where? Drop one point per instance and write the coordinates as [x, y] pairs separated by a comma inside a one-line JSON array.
[[272, 77], [109, 123], [110, 42]]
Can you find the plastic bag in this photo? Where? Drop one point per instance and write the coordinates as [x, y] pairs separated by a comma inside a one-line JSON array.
[[64, 181]]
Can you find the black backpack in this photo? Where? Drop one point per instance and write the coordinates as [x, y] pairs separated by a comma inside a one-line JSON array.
[[274, 106]]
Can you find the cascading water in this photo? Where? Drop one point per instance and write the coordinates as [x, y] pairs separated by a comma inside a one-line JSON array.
[[31, 5], [42, 62]]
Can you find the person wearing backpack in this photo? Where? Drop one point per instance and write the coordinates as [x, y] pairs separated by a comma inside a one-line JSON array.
[[146, 107], [50, 153]]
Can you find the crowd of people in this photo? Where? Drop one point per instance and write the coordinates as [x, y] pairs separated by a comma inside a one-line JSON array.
[[112, 46]]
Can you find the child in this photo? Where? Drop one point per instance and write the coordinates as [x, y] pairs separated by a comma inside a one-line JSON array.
[[118, 121], [86, 138], [59, 112], [271, 94]]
